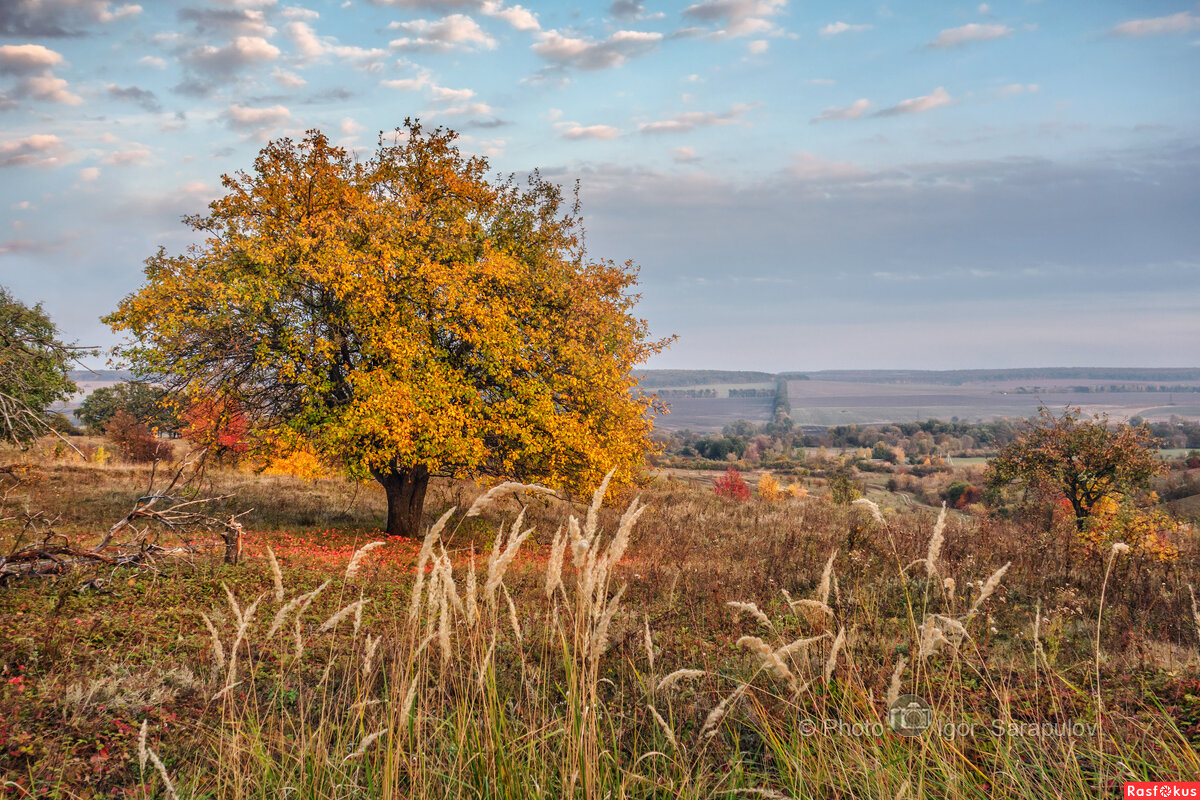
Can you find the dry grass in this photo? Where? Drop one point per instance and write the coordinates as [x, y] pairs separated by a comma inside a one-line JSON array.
[[698, 649]]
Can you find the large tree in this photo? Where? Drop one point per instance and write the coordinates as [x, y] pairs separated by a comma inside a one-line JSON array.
[[33, 369], [1079, 459], [405, 313]]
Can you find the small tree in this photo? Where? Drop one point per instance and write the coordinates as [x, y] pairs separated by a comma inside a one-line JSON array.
[[1080, 460], [33, 369], [145, 403], [135, 440]]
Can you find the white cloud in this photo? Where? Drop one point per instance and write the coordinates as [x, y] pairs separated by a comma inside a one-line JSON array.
[[309, 46], [518, 17], [972, 32], [684, 155], [48, 88], [152, 61], [690, 120], [27, 59], [89, 174], [421, 81], [492, 148], [130, 157], [448, 33], [575, 132], [1016, 88], [589, 54], [304, 39], [739, 17], [852, 111], [918, 105], [834, 28], [259, 121], [758, 47], [40, 149], [350, 126], [288, 80], [1183, 22], [821, 81], [240, 52], [297, 12]]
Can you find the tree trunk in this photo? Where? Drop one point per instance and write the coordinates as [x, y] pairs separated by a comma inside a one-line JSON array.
[[405, 488]]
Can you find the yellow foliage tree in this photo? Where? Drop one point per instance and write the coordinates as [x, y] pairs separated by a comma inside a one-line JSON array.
[[406, 316], [769, 488]]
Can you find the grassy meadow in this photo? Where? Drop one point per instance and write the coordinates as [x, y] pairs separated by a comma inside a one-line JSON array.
[[660, 643]]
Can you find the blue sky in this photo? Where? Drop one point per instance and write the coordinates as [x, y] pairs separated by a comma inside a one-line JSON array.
[[804, 185]]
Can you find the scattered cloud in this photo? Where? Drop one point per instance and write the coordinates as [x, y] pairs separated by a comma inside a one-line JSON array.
[[297, 12], [1014, 89], [456, 31], [129, 157], [589, 54], [211, 66], [309, 47], [690, 120], [852, 111], [684, 155], [49, 19], [226, 22], [89, 174], [1183, 22], [32, 64], [575, 132], [134, 94], [518, 17], [27, 59], [288, 80], [822, 81], [738, 17], [258, 121], [834, 28], [918, 105], [414, 84], [38, 150], [758, 47], [972, 32], [152, 61]]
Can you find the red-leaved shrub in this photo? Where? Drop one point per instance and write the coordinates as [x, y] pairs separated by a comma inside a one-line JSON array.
[[732, 486]]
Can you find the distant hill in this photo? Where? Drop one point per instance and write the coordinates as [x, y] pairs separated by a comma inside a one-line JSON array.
[[100, 375]]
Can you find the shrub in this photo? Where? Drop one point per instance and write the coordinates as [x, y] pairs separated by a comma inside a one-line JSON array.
[[135, 439], [843, 488], [796, 491], [302, 464], [732, 486], [769, 488]]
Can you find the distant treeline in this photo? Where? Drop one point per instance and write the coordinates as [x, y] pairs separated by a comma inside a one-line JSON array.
[[691, 392], [751, 392], [651, 378], [1111, 387], [960, 376]]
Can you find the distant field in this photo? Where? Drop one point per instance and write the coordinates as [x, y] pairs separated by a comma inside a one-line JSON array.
[[713, 413], [845, 402]]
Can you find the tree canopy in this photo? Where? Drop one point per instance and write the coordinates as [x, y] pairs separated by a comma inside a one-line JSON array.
[[33, 368], [1079, 459], [405, 314]]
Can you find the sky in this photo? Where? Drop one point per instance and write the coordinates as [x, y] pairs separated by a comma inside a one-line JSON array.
[[804, 186]]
